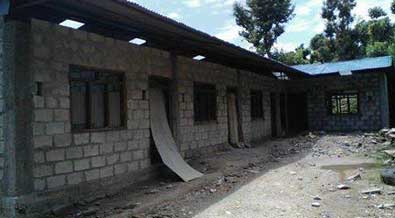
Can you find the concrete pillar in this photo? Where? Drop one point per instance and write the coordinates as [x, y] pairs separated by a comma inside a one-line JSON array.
[[239, 96], [385, 120], [175, 115], [16, 116]]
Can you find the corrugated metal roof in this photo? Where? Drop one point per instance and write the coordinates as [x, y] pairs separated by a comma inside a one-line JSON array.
[[125, 20], [134, 5], [347, 66]]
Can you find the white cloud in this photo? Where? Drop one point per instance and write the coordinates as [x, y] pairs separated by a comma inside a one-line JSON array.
[[210, 3], [302, 10], [192, 3], [298, 25], [229, 32], [286, 46], [174, 15], [363, 6], [307, 8]]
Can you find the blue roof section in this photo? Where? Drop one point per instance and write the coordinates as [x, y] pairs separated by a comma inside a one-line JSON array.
[[346, 66]]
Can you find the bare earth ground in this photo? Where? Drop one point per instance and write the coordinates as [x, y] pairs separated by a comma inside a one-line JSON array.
[[280, 178]]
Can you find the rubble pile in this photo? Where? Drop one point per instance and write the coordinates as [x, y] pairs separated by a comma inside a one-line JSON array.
[[387, 149]]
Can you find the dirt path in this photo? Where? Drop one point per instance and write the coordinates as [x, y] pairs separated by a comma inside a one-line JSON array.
[[280, 178], [287, 188], [289, 191]]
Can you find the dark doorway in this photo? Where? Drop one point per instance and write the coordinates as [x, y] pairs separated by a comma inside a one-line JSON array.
[[163, 84], [283, 112], [297, 112], [273, 111]]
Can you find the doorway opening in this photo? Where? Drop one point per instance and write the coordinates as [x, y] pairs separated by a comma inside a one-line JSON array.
[[297, 112], [164, 84], [273, 113]]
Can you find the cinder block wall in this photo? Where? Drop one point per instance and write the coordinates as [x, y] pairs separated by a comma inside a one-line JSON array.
[[259, 129], [373, 112], [63, 159], [197, 138]]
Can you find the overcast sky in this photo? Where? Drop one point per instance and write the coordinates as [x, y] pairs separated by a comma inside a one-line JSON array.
[[215, 17]]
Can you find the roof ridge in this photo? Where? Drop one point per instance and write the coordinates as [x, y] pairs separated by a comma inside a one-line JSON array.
[[344, 61]]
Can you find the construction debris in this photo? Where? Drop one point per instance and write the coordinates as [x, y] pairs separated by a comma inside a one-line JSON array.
[[390, 152], [317, 198], [386, 206], [354, 177], [372, 191], [343, 187], [316, 204], [388, 176]]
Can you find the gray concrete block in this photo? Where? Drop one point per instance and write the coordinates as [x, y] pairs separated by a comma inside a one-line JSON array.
[[126, 156], [56, 181], [92, 174], [42, 171], [120, 146], [55, 155], [64, 167], [107, 148], [51, 102], [81, 138], [74, 153], [38, 101], [112, 136], [112, 159], [38, 129], [62, 140], [39, 184], [55, 128], [43, 115], [134, 166], [61, 115], [75, 178], [138, 155], [98, 137], [64, 103], [120, 169], [91, 150], [98, 161], [83, 164], [133, 145], [106, 172], [39, 157]]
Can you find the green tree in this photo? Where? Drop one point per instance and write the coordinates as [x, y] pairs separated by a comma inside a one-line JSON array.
[[338, 30], [263, 22], [376, 49], [362, 35], [393, 7], [375, 36], [320, 51], [299, 56], [377, 12], [380, 30]]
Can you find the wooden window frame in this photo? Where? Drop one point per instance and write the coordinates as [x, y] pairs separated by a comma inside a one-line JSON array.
[[210, 92], [256, 109], [338, 96], [88, 84]]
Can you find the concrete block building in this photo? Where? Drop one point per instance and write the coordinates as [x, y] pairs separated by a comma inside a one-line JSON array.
[[74, 94]]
